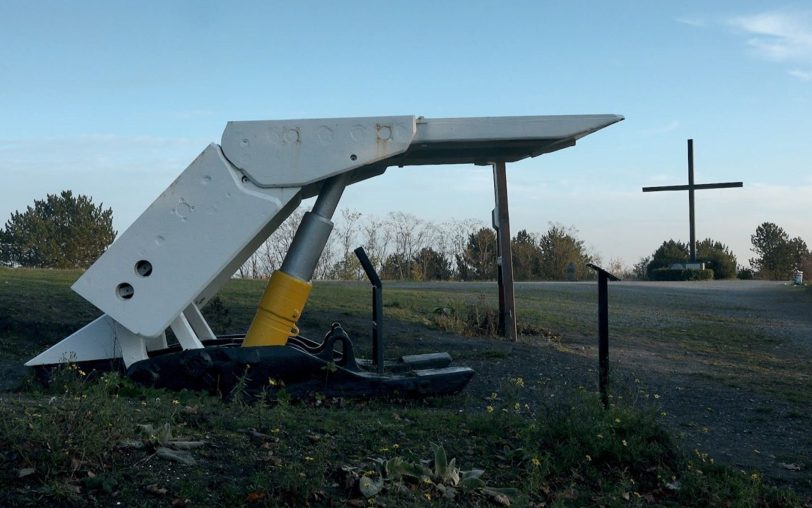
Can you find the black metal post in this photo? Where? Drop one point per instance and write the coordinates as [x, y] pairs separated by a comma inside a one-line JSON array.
[[377, 308], [603, 331], [603, 337]]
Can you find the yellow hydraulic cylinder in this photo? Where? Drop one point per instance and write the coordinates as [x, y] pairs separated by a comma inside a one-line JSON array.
[[280, 308]]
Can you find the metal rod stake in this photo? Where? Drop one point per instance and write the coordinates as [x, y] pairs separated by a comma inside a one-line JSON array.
[[603, 337], [377, 308]]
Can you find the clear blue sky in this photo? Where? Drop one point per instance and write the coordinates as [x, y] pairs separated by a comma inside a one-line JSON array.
[[114, 99]]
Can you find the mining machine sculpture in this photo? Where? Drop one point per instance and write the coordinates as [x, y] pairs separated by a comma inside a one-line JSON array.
[[187, 244]]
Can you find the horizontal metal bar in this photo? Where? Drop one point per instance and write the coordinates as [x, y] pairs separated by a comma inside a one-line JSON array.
[[701, 186]]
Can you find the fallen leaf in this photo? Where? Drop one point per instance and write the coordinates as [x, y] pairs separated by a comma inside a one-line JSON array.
[[791, 467], [625, 496], [26, 471], [370, 487], [256, 496], [155, 489], [497, 497]]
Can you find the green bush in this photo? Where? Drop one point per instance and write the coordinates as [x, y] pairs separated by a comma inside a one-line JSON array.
[[745, 274], [716, 256], [679, 275]]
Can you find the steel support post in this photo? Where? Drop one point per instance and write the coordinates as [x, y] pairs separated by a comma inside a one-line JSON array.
[[504, 259]]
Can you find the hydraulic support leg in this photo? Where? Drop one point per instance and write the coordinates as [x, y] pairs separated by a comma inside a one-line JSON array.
[[289, 287]]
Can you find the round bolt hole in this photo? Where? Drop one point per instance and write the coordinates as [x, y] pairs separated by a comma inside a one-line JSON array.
[[143, 268], [244, 179], [125, 291], [353, 157]]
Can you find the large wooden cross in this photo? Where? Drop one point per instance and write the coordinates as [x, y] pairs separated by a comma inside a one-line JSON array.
[[691, 187]]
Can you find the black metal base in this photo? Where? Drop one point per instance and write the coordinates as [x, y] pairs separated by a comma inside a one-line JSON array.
[[302, 367]]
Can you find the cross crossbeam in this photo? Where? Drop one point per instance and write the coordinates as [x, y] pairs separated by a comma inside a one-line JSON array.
[[691, 187]]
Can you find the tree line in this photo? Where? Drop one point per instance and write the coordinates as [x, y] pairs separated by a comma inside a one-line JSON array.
[[402, 246], [68, 231]]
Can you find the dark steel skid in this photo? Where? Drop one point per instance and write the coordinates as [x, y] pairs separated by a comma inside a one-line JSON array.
[[302, 367]]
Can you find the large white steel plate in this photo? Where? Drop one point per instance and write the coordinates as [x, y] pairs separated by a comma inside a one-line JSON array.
[[189, 235]]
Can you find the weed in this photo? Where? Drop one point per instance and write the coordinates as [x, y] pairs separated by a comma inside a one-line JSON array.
[[473, 319], [218, 316]]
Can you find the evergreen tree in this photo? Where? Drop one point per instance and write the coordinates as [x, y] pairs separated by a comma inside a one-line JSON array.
[[61, 231], [478, 260], [428, 264], [668, 253], [559, 247], [777, 256], [717, 257], [396, 267], [526, 256]]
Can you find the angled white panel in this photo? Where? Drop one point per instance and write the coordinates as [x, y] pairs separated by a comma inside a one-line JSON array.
[[101, 339], [287, 153], [189, 235]]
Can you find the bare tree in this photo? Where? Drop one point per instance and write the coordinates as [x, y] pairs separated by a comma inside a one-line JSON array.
[[377, 239], [269, 256], [346, 266], [454, 235]]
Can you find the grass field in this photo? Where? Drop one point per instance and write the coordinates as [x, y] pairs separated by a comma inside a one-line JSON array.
[[529, 419]]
